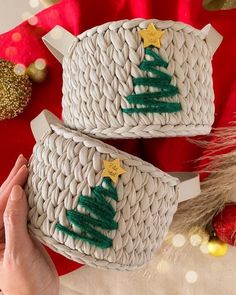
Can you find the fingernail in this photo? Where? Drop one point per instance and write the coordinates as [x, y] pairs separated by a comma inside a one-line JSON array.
[[20, 156], [16, 193], [24, 167]]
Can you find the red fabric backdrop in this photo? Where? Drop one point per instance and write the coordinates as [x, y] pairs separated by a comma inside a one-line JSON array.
[[76, 16]]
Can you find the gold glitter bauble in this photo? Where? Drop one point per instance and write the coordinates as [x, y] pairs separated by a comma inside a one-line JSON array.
[[36, 75], [219, 4], [15, 90]]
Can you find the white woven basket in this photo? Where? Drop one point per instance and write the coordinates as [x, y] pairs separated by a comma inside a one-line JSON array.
[[66, 164], [100, 65]]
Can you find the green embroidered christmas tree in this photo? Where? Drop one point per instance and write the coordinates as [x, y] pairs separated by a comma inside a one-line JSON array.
[[160, 81], [99, 215]]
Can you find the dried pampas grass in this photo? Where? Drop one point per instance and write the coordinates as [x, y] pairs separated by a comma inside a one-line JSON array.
[[218, 187]]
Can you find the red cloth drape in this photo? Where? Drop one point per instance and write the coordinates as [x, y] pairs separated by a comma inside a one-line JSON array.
[[76, 16]]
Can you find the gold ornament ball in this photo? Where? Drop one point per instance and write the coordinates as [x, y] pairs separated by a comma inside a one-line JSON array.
[[36, 74], [15, 90], [217, 248], [219, 4]]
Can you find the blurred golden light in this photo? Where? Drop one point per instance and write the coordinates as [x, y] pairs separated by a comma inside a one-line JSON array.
[[191, 277], [195, 240], [19, 69], [163, 266], [178, 240], [217, 248], [40, 63], [204, 247]]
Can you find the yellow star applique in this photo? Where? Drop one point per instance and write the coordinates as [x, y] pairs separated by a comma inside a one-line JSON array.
[[151, 36], [112, 169]]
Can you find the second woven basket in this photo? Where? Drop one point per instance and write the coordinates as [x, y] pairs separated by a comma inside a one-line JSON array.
[[95, 204]]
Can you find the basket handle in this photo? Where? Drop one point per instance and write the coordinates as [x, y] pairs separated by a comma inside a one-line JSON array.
[[59, 41], [213, 38], [189, 186], [41, 125]]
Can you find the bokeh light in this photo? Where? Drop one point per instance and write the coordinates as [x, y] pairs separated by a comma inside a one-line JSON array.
[[10, 51], [204, 248], [16, 37], [169, 236], [19, 69], [191, 277], [163, 266], [178, 240], [34, 3], [33, 20], [40, 64], [195, 240], [48, 3], [217, 248]]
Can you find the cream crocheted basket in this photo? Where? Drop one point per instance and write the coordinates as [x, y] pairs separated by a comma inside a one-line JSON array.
[[103, 90], [78, 211]]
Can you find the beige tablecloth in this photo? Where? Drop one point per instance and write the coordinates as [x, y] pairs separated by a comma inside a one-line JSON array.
[[193, 273]]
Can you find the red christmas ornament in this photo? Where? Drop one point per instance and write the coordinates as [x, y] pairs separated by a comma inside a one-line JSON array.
[[224, 224]]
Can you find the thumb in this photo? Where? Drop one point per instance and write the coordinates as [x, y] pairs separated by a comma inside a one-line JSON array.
[[17, 238]]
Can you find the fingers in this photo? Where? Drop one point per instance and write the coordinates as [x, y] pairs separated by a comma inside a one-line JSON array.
[[19, 179], [17, 238], [45, 254], [18, 164]]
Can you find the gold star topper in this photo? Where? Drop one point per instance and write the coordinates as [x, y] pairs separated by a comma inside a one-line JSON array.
[[112, 169], [151, 36]]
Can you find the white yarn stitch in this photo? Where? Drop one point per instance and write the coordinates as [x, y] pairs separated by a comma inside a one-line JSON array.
[[66, 164], [98, 76]]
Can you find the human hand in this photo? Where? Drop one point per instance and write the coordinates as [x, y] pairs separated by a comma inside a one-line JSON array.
[[25, 266]]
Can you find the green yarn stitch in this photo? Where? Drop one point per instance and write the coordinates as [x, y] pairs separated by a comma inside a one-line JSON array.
[[157, 59], [150, 81], [144, 99], [161, 75], [76, 218], [150, 101], [146, 95], [105, 243], [98, 190], [110, 188], [96, 205], [100, 209], [166, 108]]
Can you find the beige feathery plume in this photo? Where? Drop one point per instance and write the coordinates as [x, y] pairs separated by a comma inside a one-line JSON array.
[[217, 189]]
